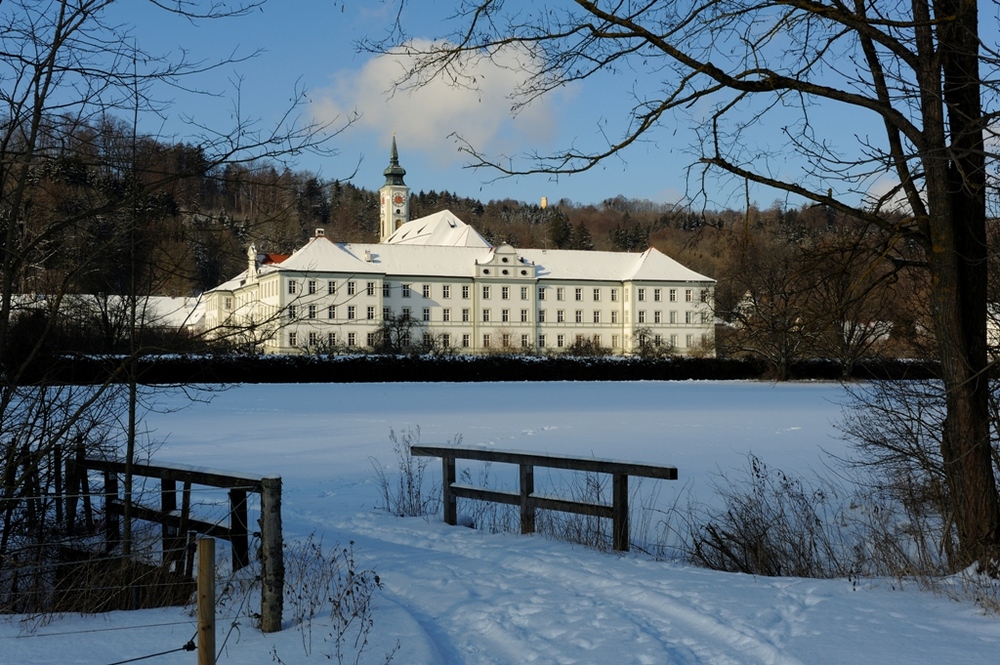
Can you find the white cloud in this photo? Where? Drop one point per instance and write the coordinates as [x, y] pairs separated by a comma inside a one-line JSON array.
[[426, 116]]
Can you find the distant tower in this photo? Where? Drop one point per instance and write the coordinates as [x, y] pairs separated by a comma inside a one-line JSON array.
[[395, 196]]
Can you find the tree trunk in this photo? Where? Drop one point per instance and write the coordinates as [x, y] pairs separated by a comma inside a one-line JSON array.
[[956, 186]]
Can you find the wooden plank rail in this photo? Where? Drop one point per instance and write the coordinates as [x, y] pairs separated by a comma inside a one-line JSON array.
[[178, 524], [528, 500]]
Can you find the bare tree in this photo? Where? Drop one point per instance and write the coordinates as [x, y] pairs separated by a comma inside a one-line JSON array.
[[919, 69], [69, 69]]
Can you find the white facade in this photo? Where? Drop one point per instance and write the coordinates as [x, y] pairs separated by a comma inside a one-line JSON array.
[[467, 294]]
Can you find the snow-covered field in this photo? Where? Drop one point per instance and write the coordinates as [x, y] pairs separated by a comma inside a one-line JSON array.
[[459, 596]]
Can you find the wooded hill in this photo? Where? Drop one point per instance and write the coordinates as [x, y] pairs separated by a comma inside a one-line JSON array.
[[792, 282]]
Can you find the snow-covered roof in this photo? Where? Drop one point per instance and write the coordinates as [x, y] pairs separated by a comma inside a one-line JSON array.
[[441, 228], [322, 255], [651, 265]]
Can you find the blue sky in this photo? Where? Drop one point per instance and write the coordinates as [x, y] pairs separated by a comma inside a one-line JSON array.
[[311, 45]]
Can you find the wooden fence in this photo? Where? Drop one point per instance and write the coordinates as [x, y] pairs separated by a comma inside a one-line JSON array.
[[178, 525], [526, 497]]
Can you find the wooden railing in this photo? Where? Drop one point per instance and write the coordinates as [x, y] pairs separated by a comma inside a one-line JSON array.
[[178, 523], [526, 497]]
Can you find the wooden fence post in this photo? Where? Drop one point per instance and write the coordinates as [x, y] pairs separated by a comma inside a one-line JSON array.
[[111, 510], [168, 505], [619, 508], [527, 488], [272, 562], [206, 601], [238, 528], [449, 500]]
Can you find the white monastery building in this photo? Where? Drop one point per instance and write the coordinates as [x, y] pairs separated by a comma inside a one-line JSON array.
[[464, 293]]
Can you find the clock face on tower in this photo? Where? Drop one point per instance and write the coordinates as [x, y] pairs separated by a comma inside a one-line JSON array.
[[398, 199]]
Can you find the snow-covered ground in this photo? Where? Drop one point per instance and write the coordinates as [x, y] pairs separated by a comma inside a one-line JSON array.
[[459, 596]]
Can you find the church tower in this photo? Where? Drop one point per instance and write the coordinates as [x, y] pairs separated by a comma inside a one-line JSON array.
[[395, 197]]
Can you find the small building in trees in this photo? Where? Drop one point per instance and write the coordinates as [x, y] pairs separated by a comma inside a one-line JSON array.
[[454, 289]]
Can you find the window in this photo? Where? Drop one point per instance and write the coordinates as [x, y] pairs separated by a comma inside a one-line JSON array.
[[293, 339], [560, 316], [331, 339], [641, 295], [292, 312], [614, 342], [689, 341], [578, 295], [688, 295], [426, 314], [312, 286], [313, 339], [370, 313], [560, 341], [446, 314], [541, 341], [673, 341], [524, 293], [704, 295], [486, 293], [466, 315], [597, 341], [579, 316], [386, 289], [657, 340], [404, 341], [350, 311], [425, 291], [446, 291], [687, 317], [704, 317], [672, 295], [505, 340], [331, 312], [227, 303], [541, 293], [352, 339], [614, 295], [465, 341], [597, 295], [505, 293], [291, 287], [642, 316], [560, 293], [579, 340], [465, 291], [541, 316], [406, 290], [524, 316], [405, 313], [445, 341], [370, 339], [370, 288], [331, 288], [614, 316], [673, 317], [486, 341], [524, 341], [656, 316], [597, 316], [486, 316], [350, 288], [505, 316], [656, 295], [426, 340], [312, 312], [386, 313]]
